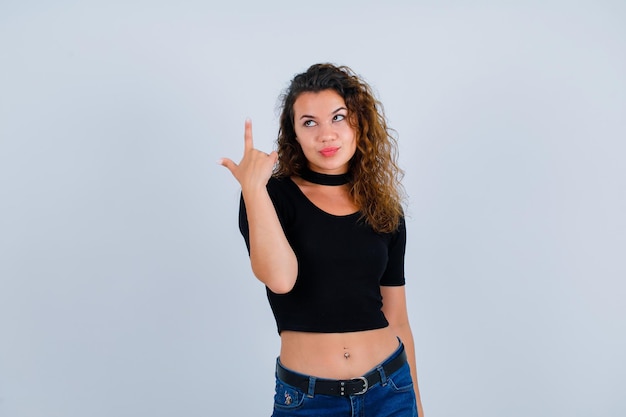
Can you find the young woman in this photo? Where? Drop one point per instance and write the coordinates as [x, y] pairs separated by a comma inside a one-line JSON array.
[[323, 222]]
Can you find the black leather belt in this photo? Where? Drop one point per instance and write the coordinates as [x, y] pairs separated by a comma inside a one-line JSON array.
[[340, 387]]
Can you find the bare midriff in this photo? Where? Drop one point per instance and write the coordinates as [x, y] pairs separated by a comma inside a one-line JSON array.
[[336, 355]]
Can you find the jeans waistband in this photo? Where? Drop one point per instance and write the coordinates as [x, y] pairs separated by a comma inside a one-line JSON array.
[[311, 385]]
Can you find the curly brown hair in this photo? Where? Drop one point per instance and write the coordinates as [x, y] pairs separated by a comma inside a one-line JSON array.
[[375, 175]]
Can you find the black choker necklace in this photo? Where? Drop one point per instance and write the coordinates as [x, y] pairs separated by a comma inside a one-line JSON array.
[[324, 179]]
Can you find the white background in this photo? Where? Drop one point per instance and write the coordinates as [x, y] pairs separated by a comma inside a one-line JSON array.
[[125, 288]]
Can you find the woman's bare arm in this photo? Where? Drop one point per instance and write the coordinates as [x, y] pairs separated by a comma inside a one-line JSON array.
[[271, 257], [394, 308]]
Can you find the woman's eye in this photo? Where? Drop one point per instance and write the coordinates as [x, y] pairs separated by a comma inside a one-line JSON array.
[[309, 123], [338, 117]]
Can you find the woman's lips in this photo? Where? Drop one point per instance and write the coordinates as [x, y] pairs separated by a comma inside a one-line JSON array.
[[330, 151]]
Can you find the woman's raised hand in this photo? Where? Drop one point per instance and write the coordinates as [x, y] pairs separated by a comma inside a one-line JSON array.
[[255, 168]]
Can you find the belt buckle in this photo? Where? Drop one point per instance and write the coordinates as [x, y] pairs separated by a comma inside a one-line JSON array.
[[365, 385]]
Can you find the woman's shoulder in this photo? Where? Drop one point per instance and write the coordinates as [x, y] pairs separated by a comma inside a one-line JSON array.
[[279, 183], [282, 188], [284, 194]]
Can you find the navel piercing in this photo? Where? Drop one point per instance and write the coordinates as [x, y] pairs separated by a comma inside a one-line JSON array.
[[346, 354]]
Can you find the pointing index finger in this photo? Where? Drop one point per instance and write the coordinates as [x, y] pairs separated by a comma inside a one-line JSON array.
[[247, 137]]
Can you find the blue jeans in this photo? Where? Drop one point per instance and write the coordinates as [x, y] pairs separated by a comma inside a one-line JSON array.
[[393, 396]]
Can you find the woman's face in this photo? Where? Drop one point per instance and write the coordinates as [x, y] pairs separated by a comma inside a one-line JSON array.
[[323, 131]]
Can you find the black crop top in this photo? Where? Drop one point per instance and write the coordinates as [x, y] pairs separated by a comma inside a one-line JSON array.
[[342, 263]]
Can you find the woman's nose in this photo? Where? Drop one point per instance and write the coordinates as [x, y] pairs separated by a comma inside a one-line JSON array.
[[327, 133]]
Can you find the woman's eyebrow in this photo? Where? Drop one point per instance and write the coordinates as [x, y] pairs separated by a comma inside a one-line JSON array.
[[308, 116]]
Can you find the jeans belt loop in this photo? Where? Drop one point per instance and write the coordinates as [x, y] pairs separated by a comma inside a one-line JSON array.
[[311, 391], [383, 375]]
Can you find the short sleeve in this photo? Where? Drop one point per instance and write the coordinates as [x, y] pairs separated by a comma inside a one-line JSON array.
[[243, 222], [277, 191], [394, 273]]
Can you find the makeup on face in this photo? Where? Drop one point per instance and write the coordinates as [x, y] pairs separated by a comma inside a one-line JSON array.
[[323, 131]]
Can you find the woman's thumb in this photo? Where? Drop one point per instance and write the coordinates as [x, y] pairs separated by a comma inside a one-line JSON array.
[[228, 164]]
